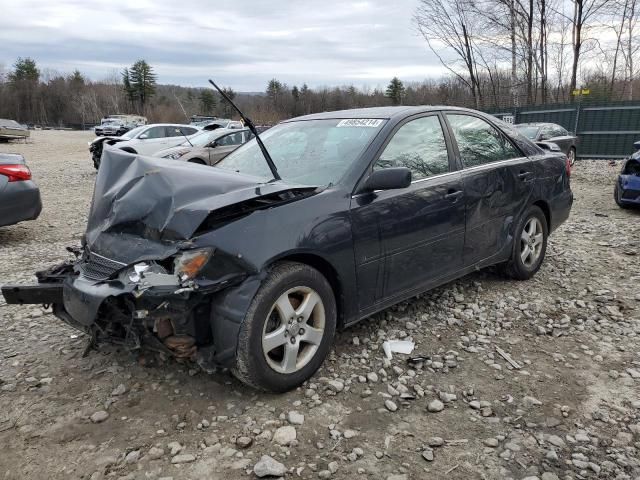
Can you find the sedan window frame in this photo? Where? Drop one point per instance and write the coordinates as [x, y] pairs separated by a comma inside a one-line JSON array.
[[389, 136], [454, 140]]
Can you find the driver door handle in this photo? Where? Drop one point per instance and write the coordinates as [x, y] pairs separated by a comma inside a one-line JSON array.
[[453, 195]]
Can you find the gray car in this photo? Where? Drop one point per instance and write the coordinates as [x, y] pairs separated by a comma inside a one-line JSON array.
[[551, 133], [208, 147], [19, 195]]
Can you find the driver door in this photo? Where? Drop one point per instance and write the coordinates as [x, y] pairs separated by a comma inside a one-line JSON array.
[[408, 239]]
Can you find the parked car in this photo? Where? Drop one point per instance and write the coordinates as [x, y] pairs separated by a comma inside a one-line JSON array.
[[208, 147], [551, 133], [12, 130], [254, 268], [144, 140], [19, 195], [119, 124], [627, 189]]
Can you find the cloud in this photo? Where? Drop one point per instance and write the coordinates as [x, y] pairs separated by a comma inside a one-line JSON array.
[[241, 44]]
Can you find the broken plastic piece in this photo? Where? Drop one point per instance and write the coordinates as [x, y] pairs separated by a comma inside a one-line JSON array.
[[397, 346]]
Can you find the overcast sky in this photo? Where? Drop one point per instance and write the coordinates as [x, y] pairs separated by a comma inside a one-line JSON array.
[[241, 44]]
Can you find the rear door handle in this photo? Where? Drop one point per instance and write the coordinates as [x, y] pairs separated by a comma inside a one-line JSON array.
[[453, 195]]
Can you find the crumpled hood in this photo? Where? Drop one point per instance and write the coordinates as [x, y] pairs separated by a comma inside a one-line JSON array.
[[146, 208]]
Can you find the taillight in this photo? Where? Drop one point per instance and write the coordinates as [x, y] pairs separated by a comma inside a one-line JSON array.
[[16, 173]]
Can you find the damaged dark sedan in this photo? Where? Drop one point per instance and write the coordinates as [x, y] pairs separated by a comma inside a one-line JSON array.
[[230, 266]]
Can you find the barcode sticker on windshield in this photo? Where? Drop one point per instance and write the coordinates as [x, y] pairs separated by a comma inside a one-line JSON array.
[[360, 122]]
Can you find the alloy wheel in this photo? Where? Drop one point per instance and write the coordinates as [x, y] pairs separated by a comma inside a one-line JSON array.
[[294, 330], [531, 241]]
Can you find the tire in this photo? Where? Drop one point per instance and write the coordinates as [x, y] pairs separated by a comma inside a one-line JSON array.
[[259, 362], [521, 267], [96, 161], [572, 156]]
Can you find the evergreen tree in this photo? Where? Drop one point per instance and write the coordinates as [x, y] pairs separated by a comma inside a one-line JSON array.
[[207, 102], [139, 83], [395, 91], [24, 80]]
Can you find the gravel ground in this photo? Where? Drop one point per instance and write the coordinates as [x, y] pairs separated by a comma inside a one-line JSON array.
[[572, 409]]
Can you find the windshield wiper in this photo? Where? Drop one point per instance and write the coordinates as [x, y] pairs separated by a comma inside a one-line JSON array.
[[251, 126]]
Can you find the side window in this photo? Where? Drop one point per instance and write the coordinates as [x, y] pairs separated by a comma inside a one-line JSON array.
[[558, 131], [189, 130], [231, 139], [154, 132], [479, 142], [418, 145]]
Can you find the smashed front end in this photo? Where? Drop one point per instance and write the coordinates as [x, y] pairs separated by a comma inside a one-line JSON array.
[[629, 182], [144, 277], [163, 305]]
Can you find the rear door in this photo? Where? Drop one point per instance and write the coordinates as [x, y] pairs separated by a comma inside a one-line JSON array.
[[498, 184], [407, 238]]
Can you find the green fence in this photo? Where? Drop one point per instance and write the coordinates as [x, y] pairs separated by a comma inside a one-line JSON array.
[[604, 130]]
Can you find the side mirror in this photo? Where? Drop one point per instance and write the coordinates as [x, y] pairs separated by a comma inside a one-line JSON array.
[[544, 137], [144, 136], [552, 147], [388, 179]]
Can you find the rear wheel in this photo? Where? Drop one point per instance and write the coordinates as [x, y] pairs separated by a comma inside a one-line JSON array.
[[529, 245], [288, 329], [571, 155]]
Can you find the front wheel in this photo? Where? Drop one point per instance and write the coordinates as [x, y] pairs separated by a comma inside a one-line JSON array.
[[571, 155], [529, 245], [288, 329]]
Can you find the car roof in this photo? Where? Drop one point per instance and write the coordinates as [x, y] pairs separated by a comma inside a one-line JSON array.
[[538, 124], [386, 113], [167, 125]]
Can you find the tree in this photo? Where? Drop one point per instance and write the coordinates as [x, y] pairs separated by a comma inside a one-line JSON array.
[[139, 83], [227, 109], [584, 12], [207, 102], [453, 25], [24, 81], [395, 91]]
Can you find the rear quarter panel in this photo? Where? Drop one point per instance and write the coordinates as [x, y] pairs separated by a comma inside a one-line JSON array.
[[552, 186]]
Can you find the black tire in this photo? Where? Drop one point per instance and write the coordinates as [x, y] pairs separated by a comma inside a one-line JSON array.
[[572, 160], [251, 365], [515, 267], [96, 161], [616, 197]]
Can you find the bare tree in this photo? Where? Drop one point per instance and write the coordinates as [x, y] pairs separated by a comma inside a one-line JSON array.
[[452, 24]]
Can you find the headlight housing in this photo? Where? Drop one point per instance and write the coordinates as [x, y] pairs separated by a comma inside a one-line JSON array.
[[188, 264], [176, 155]]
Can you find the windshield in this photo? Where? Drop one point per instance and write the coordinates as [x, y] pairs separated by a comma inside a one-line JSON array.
[[204, 138], [133, 133], [528, 131], [312, 152]]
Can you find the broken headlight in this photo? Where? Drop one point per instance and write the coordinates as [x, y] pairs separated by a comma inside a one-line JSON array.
[[187, 264]]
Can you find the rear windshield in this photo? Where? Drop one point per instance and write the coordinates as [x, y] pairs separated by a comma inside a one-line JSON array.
[[530, 132]]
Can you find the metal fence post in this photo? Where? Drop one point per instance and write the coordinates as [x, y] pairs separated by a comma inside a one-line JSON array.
[[575, 129]]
